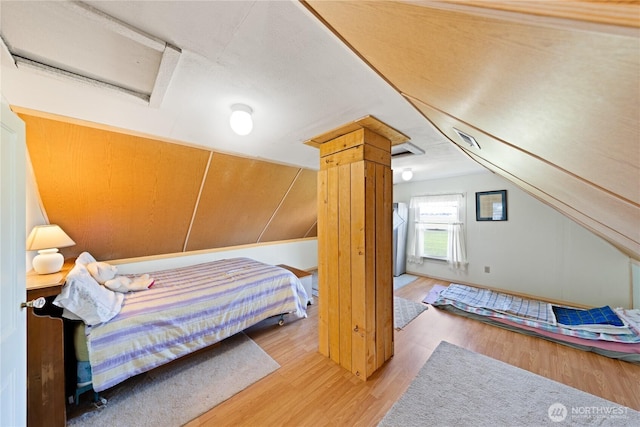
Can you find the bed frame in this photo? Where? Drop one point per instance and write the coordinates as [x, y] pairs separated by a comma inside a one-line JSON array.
[[187, 309]]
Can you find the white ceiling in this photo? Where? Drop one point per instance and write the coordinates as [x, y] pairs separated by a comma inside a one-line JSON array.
[[274, 56]]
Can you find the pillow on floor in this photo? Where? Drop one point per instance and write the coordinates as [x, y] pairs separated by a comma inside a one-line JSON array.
[[594, 316]]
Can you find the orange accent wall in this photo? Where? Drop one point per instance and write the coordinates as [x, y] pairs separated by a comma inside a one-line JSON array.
[[122, 196]]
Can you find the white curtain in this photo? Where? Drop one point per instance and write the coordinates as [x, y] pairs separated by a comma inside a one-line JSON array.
[[456, 250], [415, 236]]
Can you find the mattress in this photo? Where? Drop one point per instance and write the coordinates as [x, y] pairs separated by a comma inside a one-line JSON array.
[[619, 342], [188, 309]]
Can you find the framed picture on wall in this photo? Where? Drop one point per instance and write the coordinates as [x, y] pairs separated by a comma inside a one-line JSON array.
[[491, 205]]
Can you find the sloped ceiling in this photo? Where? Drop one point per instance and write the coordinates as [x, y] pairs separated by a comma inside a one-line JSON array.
[[549, 89], [554, 103], [274, 56], [122, 196]]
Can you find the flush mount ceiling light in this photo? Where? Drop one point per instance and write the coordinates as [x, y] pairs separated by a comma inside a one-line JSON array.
[[407, 174], [240, 120]]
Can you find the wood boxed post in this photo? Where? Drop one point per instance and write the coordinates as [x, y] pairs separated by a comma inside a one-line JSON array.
[[355, 282]]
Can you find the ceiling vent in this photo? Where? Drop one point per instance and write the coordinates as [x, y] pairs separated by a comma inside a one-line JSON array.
[[468, 139], [72, 40], [405, 149]]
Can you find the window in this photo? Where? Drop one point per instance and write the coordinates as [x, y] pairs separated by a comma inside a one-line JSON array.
[[435, 242], [436, 228]]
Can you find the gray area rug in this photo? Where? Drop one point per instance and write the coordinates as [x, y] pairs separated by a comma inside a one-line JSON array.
[[402, 280], [175, 394], [457, 387], [398, 281], [404, 311]]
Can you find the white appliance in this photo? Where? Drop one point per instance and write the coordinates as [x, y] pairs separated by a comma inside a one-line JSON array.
[[400, 217]]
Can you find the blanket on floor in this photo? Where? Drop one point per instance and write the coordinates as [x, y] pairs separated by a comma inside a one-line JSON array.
[[503, 303], [532, 313]]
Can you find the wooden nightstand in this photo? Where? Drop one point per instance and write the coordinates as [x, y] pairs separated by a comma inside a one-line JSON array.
[[45, 354]]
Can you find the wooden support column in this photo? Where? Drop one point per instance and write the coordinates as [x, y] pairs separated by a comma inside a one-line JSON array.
[[355, 279]]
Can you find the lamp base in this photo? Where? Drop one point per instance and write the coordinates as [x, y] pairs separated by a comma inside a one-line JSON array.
[[48, 261]]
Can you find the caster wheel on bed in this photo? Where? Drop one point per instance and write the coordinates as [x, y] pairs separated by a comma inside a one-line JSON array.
[[99, 402]]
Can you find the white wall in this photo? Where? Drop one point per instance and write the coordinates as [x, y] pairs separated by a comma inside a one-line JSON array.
[[34, 213], [537, 251], [301, 254]]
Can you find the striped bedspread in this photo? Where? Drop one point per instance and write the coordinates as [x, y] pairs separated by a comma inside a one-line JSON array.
[[188, 309]]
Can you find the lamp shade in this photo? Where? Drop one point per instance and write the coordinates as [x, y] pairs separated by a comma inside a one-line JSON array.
[[407, 174], [240, 120], [46, 239]]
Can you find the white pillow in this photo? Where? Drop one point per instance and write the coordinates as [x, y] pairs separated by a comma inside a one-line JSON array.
[[87, 299]]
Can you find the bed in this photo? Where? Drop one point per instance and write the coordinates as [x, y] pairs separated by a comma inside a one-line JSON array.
[[614, 333], [186, 309]]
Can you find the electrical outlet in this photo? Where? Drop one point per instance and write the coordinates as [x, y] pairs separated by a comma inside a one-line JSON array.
[[487, 269]]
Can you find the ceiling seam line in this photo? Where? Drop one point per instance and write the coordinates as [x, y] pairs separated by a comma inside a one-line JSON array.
[[551, 196], [279, 205], [311, 228], [195, 207], [517, 148]]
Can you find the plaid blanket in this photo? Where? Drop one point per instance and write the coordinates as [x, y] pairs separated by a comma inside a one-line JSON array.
[[594, 316], [502, 303], [472, 299]]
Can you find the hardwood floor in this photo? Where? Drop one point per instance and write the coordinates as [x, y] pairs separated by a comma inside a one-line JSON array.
[[310, 390]]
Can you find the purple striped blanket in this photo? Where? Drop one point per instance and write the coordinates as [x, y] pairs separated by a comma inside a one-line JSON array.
[[188, 309]]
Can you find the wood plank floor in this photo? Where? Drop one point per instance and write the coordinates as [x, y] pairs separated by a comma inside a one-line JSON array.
[[310, 390]]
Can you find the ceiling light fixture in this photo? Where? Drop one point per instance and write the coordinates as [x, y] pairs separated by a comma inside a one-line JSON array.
[[407, 174], [240, 120]]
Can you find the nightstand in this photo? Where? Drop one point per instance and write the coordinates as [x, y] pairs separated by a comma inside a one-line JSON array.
[[45, 353]]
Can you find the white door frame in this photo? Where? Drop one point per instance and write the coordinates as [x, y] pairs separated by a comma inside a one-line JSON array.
[[13, 323]]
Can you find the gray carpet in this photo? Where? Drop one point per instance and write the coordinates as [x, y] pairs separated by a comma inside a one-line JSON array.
[[404, 311], [177, 393], [457, 387], [402, 280], [398, 281]]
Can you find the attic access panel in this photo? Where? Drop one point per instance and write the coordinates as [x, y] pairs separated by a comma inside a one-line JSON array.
[[405, 149], [73, 40]]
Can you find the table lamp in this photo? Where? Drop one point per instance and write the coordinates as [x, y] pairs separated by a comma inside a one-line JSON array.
[[46, 239]]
